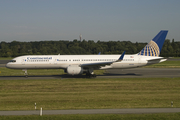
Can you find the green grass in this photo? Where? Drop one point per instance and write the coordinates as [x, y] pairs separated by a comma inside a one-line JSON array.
[[175, 57], [6, 58], [161, 116], [166, 64], [89, 93]]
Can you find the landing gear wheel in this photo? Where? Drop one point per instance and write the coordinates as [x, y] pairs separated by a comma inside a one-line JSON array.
[[93, 75], [90, 75], [25, 73]]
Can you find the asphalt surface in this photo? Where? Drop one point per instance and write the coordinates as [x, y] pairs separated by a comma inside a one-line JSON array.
[[3, 63], [112, 73], [94, 111], [143, 73]]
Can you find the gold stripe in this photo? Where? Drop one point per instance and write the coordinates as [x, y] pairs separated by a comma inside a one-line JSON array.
[[153, 51], [150, 51]]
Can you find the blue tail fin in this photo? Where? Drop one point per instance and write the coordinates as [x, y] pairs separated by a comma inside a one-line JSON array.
[[153, 48]]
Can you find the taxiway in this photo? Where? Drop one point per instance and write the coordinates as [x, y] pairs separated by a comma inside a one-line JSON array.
[[94, 111], [112, 73]]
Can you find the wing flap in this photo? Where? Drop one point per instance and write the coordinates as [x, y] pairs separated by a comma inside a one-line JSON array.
[[97, 65]]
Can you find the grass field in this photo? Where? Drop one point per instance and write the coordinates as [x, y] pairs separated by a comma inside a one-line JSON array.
[[89, 93], [166, 64], [162, 116], [6, 58]]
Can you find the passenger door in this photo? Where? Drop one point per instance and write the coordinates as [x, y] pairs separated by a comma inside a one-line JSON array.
[[55, 60], [23, 61]]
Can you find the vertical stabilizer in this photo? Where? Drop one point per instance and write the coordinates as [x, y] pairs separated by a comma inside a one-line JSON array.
[[153, 48]]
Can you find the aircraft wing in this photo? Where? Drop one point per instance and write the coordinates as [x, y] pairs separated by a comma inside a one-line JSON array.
[[100, 64]]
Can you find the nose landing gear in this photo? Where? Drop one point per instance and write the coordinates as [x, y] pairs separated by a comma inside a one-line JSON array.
[[25, 72]]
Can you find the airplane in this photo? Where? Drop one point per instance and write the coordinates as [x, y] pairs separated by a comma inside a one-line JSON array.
[[79, 64]]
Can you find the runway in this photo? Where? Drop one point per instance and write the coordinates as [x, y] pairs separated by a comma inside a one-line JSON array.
[[112, 73], [94, 111], [143, 73]]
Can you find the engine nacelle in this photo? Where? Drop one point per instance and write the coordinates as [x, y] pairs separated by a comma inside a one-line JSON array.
[[74, 70]]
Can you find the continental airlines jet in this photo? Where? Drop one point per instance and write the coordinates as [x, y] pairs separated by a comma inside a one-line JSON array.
[[79, 64]]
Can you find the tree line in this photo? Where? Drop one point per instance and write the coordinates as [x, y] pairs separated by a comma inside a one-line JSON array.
[[16, 48]]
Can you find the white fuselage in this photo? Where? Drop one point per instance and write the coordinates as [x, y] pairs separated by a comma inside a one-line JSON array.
[[79, 64], [63, 61]]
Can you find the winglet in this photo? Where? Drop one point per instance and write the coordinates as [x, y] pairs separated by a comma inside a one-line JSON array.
[[121, 57]]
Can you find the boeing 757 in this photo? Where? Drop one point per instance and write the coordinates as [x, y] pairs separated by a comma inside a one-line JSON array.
[[79, 64]]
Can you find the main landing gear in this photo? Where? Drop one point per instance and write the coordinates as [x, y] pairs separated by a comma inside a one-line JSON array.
[[25, 72], [90, 75]]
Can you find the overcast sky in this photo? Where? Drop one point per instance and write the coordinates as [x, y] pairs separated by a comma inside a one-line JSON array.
[[104, 20]]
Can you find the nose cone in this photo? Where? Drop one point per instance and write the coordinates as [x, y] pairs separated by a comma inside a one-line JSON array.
[[8, 65]]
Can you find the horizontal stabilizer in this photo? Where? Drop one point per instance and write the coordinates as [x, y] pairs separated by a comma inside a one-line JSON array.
[[97, 65], [158, 60]]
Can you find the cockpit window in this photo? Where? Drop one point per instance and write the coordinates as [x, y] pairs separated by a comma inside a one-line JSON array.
[[13, 61]]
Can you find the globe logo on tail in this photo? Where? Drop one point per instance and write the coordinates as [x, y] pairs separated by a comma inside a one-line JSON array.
[[151, 49]]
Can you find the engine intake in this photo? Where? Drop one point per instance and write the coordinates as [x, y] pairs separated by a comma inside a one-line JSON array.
[[74, 70]]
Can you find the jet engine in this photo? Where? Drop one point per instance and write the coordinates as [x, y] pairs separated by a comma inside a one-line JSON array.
[[74, 70]]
